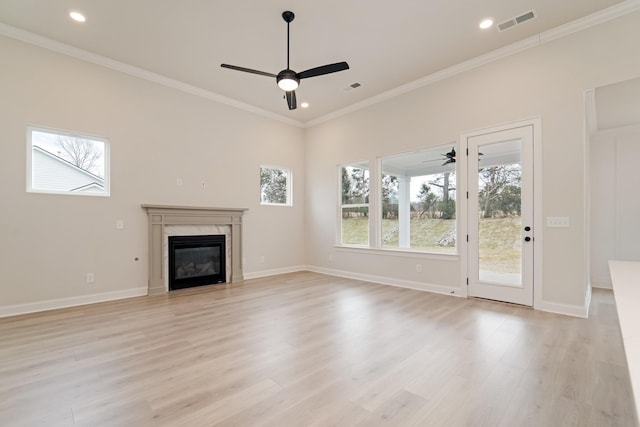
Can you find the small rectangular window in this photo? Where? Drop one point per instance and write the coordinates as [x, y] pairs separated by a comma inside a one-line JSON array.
[[61, 162], [354, 204], [275, 186]]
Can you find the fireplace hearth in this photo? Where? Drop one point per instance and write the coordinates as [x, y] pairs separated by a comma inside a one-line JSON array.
[[196, 261]]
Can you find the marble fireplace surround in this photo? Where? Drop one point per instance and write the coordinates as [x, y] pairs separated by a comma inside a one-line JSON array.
[[163, 218]]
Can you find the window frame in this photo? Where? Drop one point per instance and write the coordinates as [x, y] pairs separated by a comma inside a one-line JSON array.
[[72, 134], [364, 165], [375, 208], [289, 185], [422, 153]]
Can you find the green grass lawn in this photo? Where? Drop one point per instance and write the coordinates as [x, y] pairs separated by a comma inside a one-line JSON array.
[[500, 238]]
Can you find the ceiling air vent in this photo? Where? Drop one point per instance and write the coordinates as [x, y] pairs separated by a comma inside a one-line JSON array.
[[510, 23], [353, 86]]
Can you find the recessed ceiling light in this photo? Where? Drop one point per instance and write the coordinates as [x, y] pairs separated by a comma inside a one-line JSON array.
[[305, 105], [486, 23], [77, 16]]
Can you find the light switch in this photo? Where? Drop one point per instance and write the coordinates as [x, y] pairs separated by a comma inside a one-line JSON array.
[[558, 221], [119, 224]]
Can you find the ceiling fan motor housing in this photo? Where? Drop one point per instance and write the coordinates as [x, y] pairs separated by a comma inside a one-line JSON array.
[[288, 75]]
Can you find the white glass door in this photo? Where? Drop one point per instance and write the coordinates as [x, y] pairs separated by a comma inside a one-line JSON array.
[[500, 248]]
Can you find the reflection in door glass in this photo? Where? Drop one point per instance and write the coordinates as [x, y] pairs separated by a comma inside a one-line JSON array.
[[499, 213]]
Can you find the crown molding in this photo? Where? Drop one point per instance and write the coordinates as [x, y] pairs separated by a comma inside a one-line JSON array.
[[103, 61], [432, 78], [594, 19], [589, 21]]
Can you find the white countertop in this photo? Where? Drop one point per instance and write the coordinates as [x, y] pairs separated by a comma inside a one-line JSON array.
[[625, 276]]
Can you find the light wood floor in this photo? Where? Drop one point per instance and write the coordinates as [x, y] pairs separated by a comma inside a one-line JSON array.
[[311, 350]]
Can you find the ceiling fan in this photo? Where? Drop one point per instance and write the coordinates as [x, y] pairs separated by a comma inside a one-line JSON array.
[[287, 79], [449, 157]]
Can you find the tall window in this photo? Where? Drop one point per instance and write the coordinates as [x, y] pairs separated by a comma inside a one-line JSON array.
[[418, 200], [275, 186], [63, 162], [354, 204]]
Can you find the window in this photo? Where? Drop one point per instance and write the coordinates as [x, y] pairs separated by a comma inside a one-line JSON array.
[[63, 162], [418, 193], [354, 204], [275, 186]]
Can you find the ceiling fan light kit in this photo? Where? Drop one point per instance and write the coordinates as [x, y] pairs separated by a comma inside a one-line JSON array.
[[287, 79]]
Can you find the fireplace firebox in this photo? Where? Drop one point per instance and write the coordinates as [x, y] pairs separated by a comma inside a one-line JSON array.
[[196, 261]]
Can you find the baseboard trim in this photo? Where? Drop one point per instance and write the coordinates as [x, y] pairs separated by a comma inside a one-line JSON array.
[[273, 272], [53, 304], [419, 286], [602, 284], [14, 310], [566, 309]]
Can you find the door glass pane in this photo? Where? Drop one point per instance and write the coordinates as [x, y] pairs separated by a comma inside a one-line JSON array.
[[499, 213]]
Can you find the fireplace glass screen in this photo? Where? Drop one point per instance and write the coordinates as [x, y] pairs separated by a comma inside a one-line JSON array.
[[196, 261]]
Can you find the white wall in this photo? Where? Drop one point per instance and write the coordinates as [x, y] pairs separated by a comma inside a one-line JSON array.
[[157, 135], [50, 242], [615, 205], [547, 81]]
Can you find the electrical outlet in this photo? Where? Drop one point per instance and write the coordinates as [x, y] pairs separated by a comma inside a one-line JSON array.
[[179, 182], [203, 184], [91, 278]]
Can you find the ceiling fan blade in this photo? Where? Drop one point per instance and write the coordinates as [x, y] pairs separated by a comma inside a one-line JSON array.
[[324, 69], [248, 70], [291, 100]]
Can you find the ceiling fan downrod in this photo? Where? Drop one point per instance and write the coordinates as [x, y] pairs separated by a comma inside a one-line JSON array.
[[288, 16]]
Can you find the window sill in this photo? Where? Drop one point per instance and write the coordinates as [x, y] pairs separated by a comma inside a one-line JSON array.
[[407, 253], [286, 205]]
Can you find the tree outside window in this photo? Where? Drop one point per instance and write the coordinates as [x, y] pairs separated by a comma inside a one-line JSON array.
[[417, 193], [275, 186], [67, 163], [354, 204]]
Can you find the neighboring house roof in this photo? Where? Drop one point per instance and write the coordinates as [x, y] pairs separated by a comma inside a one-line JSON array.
[[53, 173], [94, 186]]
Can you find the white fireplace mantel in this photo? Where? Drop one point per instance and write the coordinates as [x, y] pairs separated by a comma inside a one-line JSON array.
[[160, 216]]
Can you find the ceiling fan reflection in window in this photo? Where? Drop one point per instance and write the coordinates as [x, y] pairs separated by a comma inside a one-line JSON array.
[[287, 79], [449, 157]]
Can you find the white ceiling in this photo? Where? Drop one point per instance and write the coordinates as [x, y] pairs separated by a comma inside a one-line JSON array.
[[387, 44]]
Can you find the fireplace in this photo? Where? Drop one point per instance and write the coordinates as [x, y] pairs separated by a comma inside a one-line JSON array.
[[196, 261], [166, 221]]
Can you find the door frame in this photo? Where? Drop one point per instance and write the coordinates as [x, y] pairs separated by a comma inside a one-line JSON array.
[[538, 220]]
